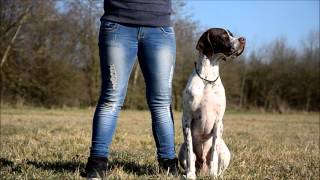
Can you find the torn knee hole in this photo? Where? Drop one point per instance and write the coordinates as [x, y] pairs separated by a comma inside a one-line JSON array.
[[111, 105], [113, 76]]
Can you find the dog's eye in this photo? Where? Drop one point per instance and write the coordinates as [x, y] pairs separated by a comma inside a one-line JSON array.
[[225, 37]]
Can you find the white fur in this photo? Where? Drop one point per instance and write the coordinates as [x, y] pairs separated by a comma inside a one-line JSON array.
[[204, 106]]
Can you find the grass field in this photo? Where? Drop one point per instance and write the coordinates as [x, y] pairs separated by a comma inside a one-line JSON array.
[[54, 144]]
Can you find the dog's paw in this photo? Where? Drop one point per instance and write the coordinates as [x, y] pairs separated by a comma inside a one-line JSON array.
[[214, 167], [213, 173], [190, 175]]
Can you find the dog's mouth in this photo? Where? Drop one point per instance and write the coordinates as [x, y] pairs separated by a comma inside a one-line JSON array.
[[237, 53], [233, 55]]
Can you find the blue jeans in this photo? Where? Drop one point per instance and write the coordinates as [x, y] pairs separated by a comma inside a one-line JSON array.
[[119, 45]]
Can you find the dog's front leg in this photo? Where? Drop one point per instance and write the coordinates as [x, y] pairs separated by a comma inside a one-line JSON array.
[[214, 163], [190, 156]]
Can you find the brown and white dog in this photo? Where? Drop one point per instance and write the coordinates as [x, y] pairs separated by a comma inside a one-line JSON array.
[[204, 103]]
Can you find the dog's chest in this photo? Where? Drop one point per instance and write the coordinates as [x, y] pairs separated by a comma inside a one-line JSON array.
[[212, 99], [206, 103], [204, 96]]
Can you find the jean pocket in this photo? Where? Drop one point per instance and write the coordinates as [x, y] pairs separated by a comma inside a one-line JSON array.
[[167, 30], [108, 26]]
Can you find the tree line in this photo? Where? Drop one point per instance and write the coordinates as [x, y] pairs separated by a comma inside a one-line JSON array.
[[49, 58]]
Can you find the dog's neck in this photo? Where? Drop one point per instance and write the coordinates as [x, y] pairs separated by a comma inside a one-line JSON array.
[[208, 68]]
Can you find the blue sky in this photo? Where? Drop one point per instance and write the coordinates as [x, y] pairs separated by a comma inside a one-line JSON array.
[[260, 21]]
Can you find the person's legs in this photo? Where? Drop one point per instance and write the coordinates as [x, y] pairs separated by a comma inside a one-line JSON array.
[[156, 54], [118, 51]]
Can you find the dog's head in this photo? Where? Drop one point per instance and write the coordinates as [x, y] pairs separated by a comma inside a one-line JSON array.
[[217, 41]]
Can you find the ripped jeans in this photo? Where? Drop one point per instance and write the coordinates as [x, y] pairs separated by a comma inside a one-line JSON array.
[[119, 46]]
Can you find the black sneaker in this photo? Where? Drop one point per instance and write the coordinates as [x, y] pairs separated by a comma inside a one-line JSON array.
[[169, 166], [96, 168]]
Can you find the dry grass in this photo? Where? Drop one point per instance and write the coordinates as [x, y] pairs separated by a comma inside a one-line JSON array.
[[54, 144]]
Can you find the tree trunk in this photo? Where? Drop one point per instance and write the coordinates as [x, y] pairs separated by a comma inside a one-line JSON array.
[[242, 93], [21, 21]]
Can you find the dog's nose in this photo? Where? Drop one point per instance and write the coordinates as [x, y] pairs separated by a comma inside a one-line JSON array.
[[242, 40]]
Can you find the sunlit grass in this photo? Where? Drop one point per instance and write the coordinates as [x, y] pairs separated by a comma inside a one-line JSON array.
[[54, 144]]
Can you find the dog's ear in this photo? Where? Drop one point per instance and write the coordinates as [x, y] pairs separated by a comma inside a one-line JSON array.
[[205, 46]]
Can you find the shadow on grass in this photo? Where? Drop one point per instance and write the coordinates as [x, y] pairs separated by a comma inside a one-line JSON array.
[[57, 166], [133, 167], [6, 162], [9, 165], [73, 166]]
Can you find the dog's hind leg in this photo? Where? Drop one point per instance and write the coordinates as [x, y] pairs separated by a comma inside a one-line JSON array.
[[224, 156], [220, 156]]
